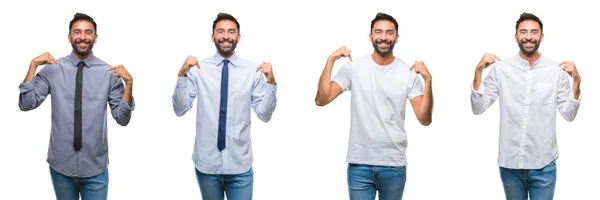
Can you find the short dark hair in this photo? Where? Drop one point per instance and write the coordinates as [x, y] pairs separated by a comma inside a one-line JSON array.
[[382, 16], [225, 16], [528, 16], [81, 16]]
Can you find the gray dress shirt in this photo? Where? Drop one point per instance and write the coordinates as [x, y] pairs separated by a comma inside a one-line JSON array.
[[99, 87]]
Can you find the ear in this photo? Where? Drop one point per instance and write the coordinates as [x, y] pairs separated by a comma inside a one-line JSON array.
[[69, 38], [212, 38], [396, 39], [239, 38], [370, 38], [542, 38], [95, 38], [516, 39]]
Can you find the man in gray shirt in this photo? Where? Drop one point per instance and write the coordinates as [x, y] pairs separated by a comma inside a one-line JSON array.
[[381, 84], [80, 85]]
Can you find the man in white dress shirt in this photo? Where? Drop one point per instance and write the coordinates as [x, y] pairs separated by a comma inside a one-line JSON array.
[[531, 88]]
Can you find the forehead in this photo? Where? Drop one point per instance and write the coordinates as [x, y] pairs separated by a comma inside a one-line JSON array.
[[82, 25], [225, 24], [384, 25], [529, 25]]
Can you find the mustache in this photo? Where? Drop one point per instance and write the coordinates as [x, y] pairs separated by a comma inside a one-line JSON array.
[[87, 41], [528, 40], [230, 40], [387, 41]]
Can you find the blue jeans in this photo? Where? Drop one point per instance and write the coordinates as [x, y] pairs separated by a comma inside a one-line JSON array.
[[90, 188], [365, 180], [235, 186], [539, 183]]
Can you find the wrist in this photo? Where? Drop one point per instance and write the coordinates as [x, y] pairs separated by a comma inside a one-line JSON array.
[[181, 74]]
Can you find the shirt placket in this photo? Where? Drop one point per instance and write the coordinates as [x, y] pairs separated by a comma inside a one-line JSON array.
[[524, 125]]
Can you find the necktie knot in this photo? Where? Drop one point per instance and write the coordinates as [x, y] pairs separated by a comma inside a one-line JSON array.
[[81, 64], [225, 63]]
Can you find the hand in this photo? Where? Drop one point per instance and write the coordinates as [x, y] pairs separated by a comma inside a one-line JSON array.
[[121, 72], [421, 69], [486, 61], [43, 59], [569, 67], [189, 62], [342, 52], [267, 69]]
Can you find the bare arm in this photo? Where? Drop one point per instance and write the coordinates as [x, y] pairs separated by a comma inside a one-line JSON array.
[[329, 90], [423, 105]]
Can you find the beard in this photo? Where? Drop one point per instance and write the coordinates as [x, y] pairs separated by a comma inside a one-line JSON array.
[[383, 52], [82, 52], [525, 51], [223, 52]]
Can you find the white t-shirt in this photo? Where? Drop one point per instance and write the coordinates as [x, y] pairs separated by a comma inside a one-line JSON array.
[[379, 94]]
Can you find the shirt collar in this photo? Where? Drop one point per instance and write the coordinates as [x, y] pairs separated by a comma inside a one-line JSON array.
[[88, 61], [526, 62], [219, 59]]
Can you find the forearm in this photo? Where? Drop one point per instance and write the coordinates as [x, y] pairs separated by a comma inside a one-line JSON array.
[[30, 72], [128, 93], [576, 83], [477, 79], [323, 92], [426, 109]]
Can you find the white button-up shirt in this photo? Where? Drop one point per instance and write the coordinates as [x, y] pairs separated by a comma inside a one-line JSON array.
[[529, 99]]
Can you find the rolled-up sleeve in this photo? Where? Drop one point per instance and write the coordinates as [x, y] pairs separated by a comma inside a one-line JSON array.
[[35, 91], [120, 109], [264, 98]]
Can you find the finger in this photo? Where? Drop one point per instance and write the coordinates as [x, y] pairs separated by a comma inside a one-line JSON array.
[[350, 56], [495, 57], [413, 66], [52, 60], [562, 63], [258, 68], [197, 65], [111, 69]]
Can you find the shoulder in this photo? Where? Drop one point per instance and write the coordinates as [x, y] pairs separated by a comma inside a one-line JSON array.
[[100, 63]]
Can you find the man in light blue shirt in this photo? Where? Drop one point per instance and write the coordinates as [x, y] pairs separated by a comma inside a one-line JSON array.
[[226, 86], [80, 85]]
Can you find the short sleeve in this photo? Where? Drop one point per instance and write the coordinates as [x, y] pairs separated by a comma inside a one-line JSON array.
[[344, 77], [415, 87]]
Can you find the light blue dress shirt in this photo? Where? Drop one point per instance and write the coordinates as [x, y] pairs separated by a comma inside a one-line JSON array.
[[247, 88]]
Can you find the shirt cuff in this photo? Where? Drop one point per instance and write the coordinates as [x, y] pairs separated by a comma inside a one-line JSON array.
[[26, 87], [476, 92], [125, 106], [271, 89], [576, 100], [182, 82]]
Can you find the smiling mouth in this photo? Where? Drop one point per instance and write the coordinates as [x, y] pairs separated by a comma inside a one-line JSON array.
[[225, 44]]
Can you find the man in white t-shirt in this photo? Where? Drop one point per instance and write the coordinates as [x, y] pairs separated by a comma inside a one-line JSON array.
[[380, 85]]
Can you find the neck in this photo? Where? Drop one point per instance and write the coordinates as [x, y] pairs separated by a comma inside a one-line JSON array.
[[383, 60], [82, 57], [531, 58]]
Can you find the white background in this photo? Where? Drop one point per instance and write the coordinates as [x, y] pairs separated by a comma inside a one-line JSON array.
[[301, 153]]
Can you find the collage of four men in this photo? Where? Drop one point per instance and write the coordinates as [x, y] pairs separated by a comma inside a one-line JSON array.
[[531, 89]]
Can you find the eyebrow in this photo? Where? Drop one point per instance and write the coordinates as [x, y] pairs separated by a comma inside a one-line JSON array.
[[524, 29], [222, 29]]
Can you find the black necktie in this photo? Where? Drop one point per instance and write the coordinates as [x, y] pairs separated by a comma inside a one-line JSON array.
[[223, 107], [77, 115]]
